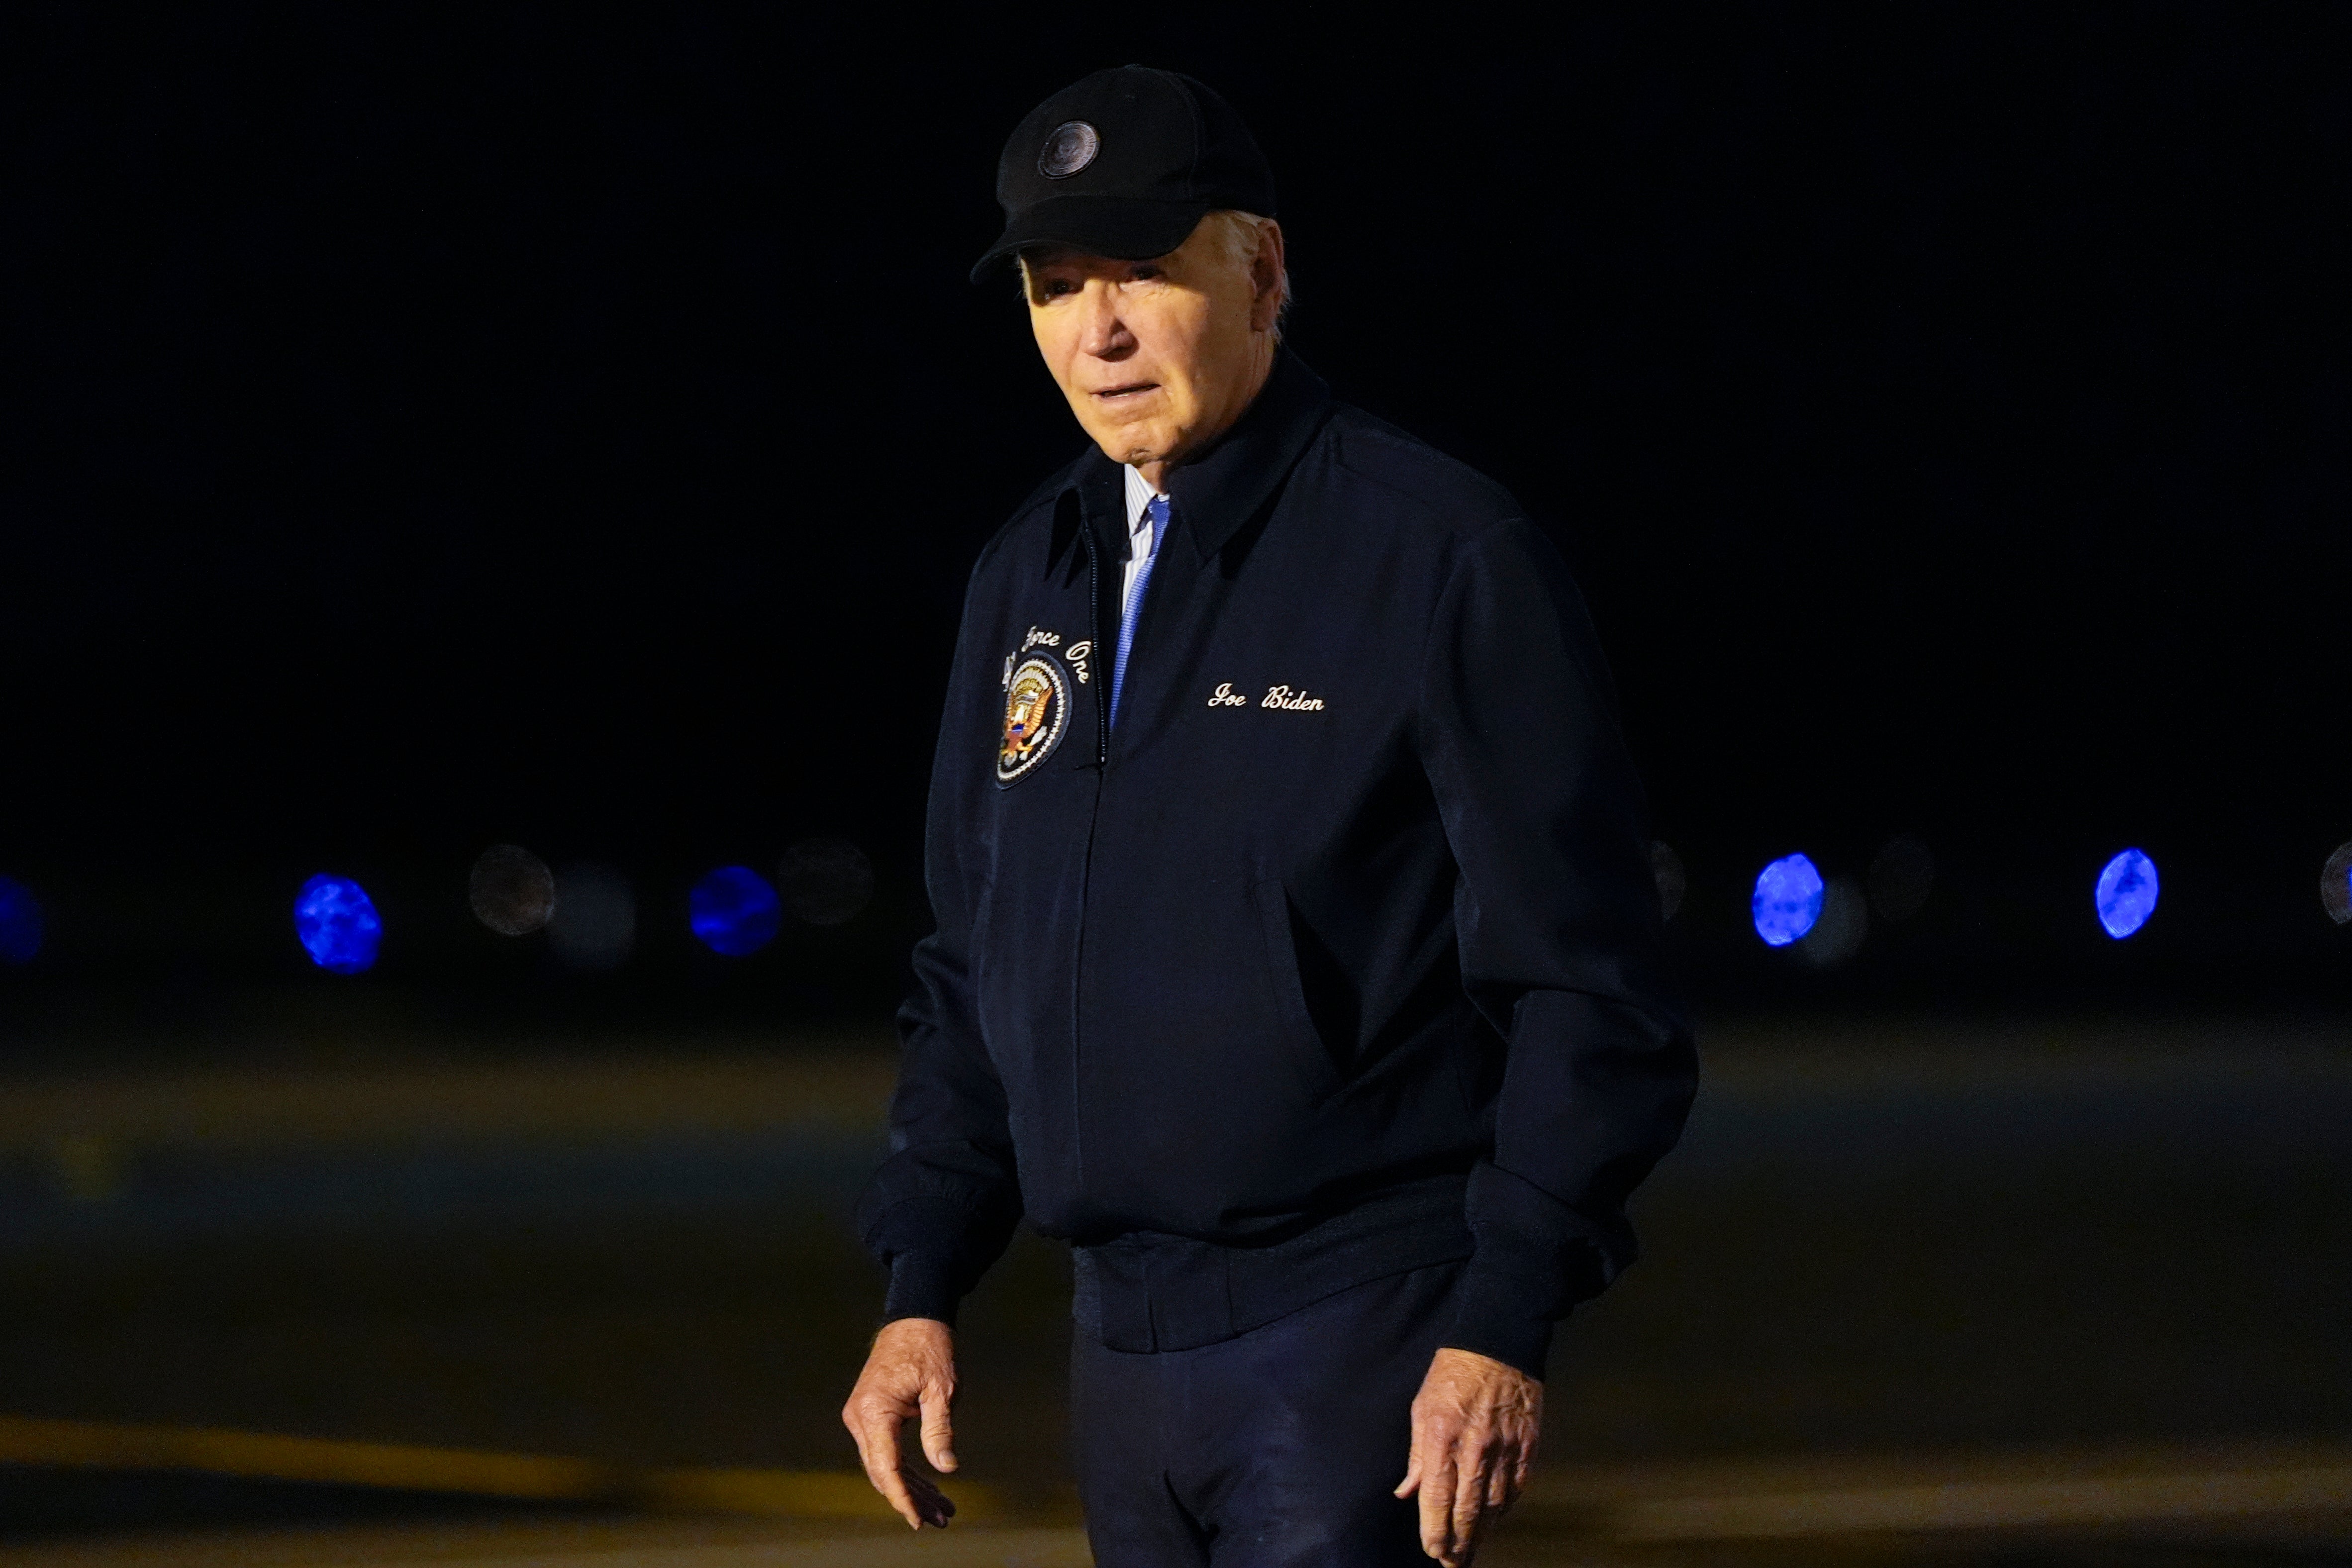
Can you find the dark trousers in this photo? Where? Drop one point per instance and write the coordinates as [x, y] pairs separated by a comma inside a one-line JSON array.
[[1276, 1448]]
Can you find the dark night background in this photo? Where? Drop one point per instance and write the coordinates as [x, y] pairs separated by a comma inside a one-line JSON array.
[[427, 428], [430, 429]]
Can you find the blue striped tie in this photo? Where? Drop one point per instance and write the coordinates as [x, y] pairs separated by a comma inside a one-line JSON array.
[[1157, 509]]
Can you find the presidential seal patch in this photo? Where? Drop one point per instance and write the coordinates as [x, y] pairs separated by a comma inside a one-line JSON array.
[[1071, 147], [1036, 711]]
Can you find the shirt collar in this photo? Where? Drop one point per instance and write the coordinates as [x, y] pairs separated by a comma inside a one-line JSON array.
[[1139, 495]]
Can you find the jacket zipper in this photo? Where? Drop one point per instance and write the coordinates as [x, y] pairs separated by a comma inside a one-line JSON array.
[[1094, 629], [1101, 684]]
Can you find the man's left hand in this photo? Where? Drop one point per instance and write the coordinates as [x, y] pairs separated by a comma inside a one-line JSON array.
[[1474, 1435]]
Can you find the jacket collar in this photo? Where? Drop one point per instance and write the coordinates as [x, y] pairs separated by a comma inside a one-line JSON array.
[[1216, 493]]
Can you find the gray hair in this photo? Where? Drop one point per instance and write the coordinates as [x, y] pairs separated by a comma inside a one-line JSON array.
[[1236, 237]]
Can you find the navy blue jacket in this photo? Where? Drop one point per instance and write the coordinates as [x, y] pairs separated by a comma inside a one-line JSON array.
[[1337, 956]]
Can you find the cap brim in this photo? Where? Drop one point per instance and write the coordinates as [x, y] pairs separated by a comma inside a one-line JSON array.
[[1126, 228]]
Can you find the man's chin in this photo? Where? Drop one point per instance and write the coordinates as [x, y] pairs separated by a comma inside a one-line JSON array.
[[1123, 446], [1136, 441]]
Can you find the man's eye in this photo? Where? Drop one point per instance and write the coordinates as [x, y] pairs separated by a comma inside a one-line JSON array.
[[1056, 287], [1140, 273]]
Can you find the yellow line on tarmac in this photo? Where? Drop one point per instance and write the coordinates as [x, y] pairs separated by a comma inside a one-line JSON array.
[[2109, 1500], [1795, 1496], [802, 1494]]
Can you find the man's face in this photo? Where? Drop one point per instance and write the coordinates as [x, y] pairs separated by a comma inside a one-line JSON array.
[[1158, 358]]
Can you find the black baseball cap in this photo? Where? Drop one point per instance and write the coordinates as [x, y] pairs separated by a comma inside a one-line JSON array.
[[1125, 163]]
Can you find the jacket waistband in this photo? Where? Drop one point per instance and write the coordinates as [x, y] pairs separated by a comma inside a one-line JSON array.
[[1146, 1292]]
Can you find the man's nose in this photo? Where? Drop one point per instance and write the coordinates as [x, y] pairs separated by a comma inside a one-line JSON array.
[[1105, 335]]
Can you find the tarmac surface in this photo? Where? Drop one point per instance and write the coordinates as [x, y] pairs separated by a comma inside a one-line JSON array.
[[1903, 1271]]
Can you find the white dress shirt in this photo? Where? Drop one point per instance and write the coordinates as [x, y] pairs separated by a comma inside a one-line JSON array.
[[1139, 538]]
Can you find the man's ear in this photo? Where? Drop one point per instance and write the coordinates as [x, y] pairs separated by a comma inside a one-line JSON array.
[[1266, 278]]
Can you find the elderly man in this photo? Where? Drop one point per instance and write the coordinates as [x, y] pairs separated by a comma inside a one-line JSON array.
[[1296, 953]]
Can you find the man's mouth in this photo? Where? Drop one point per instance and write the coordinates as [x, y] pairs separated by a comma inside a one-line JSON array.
[[1131, 390]]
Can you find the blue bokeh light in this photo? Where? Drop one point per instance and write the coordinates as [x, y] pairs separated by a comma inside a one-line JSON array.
[[735, 912], [2335, 885], [337, 923], [2126, 893], [1788, 899], [20, 921]]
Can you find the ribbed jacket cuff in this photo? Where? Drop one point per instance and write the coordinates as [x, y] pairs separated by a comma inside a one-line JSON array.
[[1491, 1317], [922, 1285]]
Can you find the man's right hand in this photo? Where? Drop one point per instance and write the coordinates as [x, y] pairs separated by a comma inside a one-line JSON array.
[[909, 1374]]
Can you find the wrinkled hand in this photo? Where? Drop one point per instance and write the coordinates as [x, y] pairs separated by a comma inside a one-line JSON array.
[[909, 1374], [1474, 1435]]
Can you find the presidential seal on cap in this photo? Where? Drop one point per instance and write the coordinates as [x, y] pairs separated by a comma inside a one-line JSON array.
[[1071, 147], [1125, 163]]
